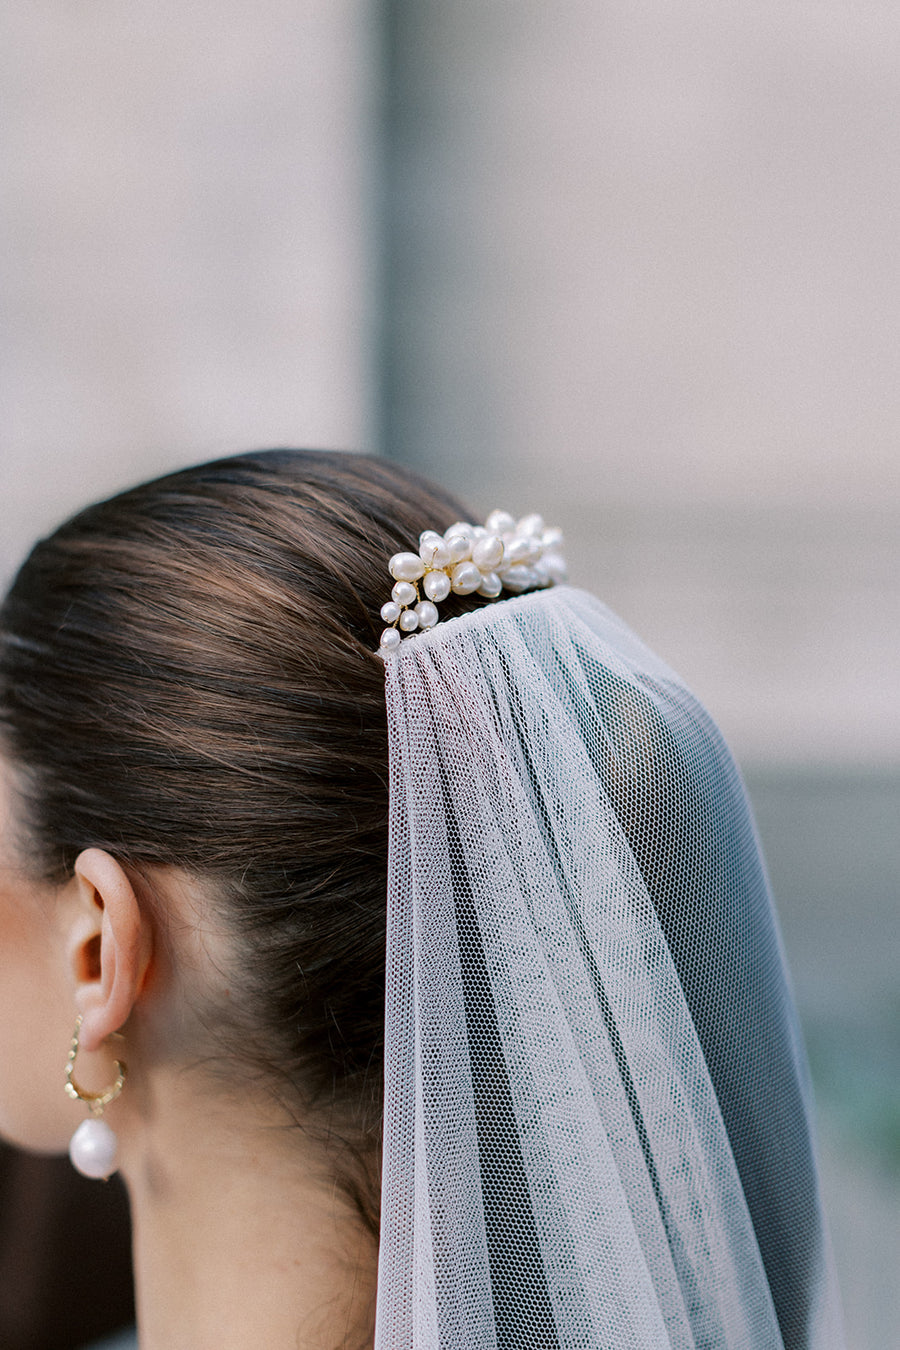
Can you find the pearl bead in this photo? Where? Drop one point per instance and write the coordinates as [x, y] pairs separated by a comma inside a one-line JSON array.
[[93, 1149], [436, 586], [390, 611], [491, 585], [409, 621], [428, 614], [555, 566], [404, 592], [487, 553], [465, 578], [518, 579], [459, 546], [390, 639], [498, 522], [517, 550], [406, 567], [461, 527], [430, 537], [552, 539], [435, 553], [532, 525]]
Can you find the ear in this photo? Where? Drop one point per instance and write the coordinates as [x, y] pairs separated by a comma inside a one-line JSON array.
[[109, 946]]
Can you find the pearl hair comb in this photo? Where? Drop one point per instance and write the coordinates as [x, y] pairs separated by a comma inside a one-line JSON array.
[[503, 554]]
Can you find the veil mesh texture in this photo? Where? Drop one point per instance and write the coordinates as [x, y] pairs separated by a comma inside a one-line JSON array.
[[597, 1117]]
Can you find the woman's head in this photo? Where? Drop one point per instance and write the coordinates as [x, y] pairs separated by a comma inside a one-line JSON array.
[[188, 683]]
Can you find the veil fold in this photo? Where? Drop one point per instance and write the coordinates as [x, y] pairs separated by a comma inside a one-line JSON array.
[[597, 1111]]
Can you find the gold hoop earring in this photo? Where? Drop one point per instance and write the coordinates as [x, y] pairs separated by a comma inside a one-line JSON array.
[[93, 1146]]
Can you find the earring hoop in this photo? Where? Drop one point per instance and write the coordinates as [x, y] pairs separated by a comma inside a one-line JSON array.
[[93, 1147], [95, 1101]]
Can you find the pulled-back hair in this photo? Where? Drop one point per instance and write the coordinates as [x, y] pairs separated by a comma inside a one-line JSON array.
[[188, 680]]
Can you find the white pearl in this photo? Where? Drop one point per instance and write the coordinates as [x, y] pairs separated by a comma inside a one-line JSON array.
[[465, 578], [461, 527], [487, 553], [93, 1149], [404, 592], [552, 539], [435, 553], [554, 565], [428, 614], [406, 566], [491, 585], [430, 537], [518, 579], [498, 522], [409, 621], [390, 611], [390, 639], [459, 546], [517, 550], [533, 525], [436, 586]]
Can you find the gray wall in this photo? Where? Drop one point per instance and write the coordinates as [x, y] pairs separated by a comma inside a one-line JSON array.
[[652, 243], [188, 255], [643, 275]]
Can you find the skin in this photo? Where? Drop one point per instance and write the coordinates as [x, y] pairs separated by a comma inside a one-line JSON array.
[[241, 1238]]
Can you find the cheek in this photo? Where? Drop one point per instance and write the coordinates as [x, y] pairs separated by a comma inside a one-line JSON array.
[[36, 1020]]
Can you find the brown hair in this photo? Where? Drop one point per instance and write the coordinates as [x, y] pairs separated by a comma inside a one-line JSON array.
[[188, 678]]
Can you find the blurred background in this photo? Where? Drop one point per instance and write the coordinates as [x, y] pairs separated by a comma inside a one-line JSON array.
[[633, 265]]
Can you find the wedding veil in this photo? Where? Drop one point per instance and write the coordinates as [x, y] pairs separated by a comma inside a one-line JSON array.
[[597, 1117]]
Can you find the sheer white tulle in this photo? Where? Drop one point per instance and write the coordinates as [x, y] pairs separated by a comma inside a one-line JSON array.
[[597, 1110]]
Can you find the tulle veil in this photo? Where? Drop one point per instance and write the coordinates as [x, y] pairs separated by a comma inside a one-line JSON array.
[[597, 1118]]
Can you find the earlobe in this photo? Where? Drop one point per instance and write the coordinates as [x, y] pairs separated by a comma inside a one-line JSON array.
[[110, 947]]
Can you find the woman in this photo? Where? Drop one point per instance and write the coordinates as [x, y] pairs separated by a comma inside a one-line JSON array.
[[593, 1093]]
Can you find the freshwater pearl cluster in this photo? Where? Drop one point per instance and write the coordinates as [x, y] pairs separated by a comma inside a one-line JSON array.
[[503, 554]]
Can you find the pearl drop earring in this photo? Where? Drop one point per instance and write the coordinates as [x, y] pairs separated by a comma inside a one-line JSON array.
[[93, 1146]]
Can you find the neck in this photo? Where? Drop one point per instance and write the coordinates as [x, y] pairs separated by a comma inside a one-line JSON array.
[[241, 1238]]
